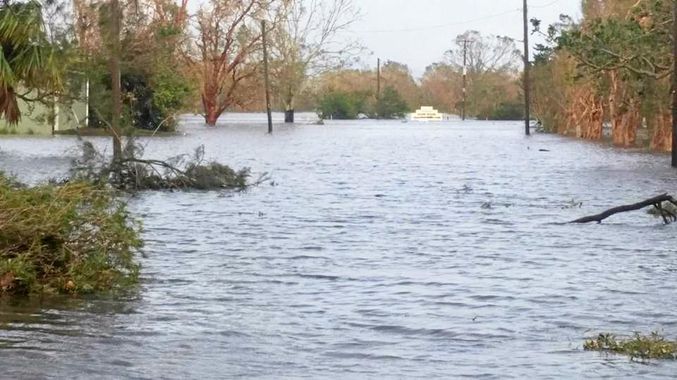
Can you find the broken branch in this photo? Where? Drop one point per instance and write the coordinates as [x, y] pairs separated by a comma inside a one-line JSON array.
[[657, 201]]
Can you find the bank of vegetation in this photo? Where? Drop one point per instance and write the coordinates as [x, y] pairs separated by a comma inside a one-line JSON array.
[[610, 69], [75, 235], [70, 238]]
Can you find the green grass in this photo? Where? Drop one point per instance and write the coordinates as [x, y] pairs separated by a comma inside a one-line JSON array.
[[653, 346], [8, 131]]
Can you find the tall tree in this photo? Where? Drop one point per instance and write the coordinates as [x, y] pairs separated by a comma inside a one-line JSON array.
[[484, 53], [441, 87], [223, 55], [399, 78], [155, 84], [391, 105], [492, 65], [114, 22], [308, 42]]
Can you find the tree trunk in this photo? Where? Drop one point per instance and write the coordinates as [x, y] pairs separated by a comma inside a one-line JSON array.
[[673, 89], [115, 79], [584, 114], [289, 109], [592, 117], [624, 110], [211, 110], [289, 116], [660, 127], [211, 117]]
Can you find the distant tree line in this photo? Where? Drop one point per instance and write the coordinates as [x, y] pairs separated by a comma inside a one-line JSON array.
[[172, 60], [493, 84]]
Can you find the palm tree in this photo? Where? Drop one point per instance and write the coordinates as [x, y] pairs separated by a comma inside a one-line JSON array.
[[27, 64]]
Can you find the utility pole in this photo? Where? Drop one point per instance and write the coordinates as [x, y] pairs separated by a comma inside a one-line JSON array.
[[527, 95], [115, 79], [378, 86], [674, 84], [265, 75], [465, 74]]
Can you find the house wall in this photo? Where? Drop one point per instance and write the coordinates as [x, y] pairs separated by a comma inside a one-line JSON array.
[[35, 118]]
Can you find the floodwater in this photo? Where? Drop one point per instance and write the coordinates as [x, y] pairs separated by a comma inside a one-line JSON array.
[[382, 250]]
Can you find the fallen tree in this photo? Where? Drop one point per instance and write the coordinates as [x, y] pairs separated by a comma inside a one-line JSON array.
[[182, 172], [664, 212]]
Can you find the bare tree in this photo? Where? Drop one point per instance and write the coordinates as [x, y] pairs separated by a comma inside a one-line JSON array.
[[223, 55], [307, 43], [492, 64], [484, 53]]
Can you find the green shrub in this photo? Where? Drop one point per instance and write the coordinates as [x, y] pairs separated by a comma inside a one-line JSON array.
[[339, 105], [508, 111], [391, 105], [71, 238]]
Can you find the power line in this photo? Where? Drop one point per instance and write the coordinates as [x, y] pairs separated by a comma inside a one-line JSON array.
[[439, 26], [545, 5]]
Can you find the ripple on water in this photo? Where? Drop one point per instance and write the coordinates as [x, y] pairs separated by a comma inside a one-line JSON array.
[[386, 250]]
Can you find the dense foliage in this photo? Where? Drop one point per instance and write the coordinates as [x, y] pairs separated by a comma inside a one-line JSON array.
[[73, 238], [507, 111], [612, 67], [341, 105], [154, 87], [391, 105]]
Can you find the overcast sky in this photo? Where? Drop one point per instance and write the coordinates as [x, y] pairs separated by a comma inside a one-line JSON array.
[[418, 32]]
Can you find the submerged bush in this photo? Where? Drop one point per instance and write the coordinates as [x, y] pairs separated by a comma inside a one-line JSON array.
[[653, 346], [72, 238]]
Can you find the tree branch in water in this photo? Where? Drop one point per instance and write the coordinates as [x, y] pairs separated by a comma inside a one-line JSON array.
[[668, 215]]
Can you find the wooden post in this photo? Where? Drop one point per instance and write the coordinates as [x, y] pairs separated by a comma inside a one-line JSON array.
[[465, 74], [86, 103], [378, 86], [265, 76], [527, 97], [54, 114], [115, 79], [674, 84]]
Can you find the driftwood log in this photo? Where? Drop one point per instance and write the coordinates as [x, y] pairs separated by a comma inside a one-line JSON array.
[[667, 215]]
